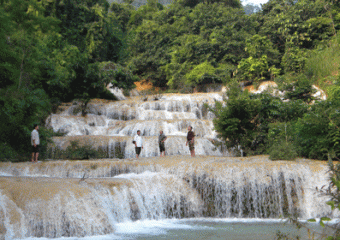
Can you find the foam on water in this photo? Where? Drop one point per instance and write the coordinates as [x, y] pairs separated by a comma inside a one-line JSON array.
[[152, 227], [146, 174]]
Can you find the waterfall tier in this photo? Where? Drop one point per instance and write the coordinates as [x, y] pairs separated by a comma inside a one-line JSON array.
[[81, 198]]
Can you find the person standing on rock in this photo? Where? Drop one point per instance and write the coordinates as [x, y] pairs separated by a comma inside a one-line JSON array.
[[138, 143], [35, 142], [161, 140], [191, 141]]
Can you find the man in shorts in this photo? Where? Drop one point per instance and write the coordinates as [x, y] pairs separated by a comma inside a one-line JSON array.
[[161, 140], [138, 143], [191, 141], [35, 142]]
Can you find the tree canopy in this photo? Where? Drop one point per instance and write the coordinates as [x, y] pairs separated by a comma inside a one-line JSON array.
[[54, 51]]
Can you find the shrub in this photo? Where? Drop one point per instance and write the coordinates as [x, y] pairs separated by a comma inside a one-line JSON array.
[[74, 151], [318, 131], [282, 151]]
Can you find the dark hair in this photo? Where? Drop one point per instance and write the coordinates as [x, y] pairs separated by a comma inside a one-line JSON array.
[[138, 130], [34, 126]]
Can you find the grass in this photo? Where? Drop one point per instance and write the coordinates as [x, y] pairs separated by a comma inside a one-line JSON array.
[[324, 63]]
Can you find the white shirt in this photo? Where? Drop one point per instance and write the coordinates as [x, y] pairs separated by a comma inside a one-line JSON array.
[[35, 137], [139, 141]]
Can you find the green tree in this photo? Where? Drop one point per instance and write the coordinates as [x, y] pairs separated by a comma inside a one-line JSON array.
[[193, 3], [256, 67], [117, 75], [299, 88], [318, 132], [203, 73], [88, 25], [236, 122], [122, 13], [8, 58], [293, 25]]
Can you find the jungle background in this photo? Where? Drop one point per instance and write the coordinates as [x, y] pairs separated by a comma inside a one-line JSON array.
[[54, 51]]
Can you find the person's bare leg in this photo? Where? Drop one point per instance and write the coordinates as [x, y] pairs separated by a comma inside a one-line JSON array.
[[36, 157], [192, 153], [32, 160]]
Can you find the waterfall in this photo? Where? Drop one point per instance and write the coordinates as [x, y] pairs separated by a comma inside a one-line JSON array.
[[109, 122], [46, 207], [56, 199], [84, 198]]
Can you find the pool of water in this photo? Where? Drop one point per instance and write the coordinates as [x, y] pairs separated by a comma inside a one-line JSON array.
[[205, 228]]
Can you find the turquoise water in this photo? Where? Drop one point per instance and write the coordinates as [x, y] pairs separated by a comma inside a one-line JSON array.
[[199, 229]]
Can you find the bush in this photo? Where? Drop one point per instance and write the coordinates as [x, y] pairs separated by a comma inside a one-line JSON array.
[[318, 132], [7, 153], [300, 87], [74, 151], [282, 151]]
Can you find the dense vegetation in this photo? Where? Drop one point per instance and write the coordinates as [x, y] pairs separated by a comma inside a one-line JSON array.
[[54, 51]]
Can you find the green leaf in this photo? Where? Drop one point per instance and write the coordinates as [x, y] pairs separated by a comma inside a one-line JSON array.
[[325, 219], [331, 203], [311, 220], [322, 224]]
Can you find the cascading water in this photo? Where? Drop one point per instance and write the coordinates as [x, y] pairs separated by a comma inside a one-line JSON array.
[[109, 122], [55, 199], [85, 198]]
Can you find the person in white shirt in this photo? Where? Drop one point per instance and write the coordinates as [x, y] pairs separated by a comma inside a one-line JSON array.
[[138, 143], [35, 142]]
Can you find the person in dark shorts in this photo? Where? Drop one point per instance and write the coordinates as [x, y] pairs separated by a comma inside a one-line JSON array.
[[191, 141], [161, 140], [138, 143], [35, 142]]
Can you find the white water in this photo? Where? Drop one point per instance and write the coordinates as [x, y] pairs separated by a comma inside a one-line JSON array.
[[108, 197], [172, 114], [209, 197]]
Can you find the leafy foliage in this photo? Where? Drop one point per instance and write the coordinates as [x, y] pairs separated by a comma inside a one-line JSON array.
[[63, 50], [51, 52], [300, 88], [318, 131], [282, 151]]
